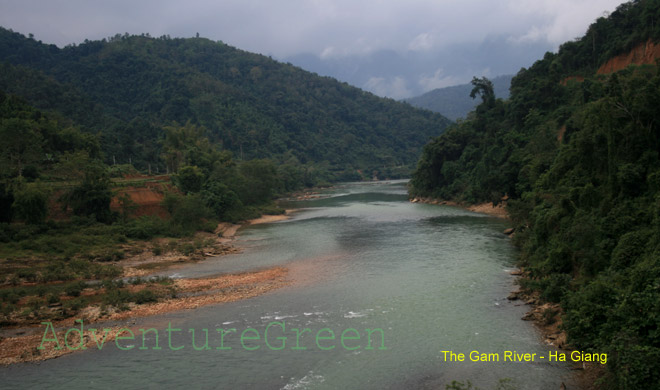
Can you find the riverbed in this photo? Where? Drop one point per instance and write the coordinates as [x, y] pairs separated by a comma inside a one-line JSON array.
[[379, 288]]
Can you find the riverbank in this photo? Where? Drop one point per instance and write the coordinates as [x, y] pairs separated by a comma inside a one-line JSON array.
[[498, 211], [19, 343], [546, 317]]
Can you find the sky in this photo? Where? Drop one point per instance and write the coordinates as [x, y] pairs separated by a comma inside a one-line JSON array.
[[392, 48]]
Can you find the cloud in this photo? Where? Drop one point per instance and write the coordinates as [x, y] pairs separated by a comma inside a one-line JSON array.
[[560, 20], [392, 48], [295, 26], [438, 80], [328, 52], [422, 42], [395, 88]]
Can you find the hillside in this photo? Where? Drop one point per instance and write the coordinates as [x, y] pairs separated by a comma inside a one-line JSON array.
[[576, 151], [127, 88], [455, 102]]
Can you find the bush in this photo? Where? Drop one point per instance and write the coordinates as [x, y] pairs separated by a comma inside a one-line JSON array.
[[630, 248], [52, 298], [189, 213], [31, 203], [157, 250], [220, 199], [75, 289], [92, 196], [189, 179], [145, 227], [144, 296]]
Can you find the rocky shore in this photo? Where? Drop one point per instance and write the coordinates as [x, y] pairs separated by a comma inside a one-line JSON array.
[[498, 211], [547, 317], [19, 343]]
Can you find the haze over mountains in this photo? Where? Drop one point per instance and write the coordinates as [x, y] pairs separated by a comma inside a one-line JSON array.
[[393, 49], [407, 74], [455, 102]]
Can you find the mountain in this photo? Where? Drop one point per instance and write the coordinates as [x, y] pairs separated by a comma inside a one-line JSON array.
[[575, 154], [128, 88], [455, 102], [406, 73]]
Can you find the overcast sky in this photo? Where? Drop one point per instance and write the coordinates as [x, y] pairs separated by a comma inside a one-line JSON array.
[[331, 30]]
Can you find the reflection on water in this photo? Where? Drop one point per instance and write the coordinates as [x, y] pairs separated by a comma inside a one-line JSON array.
[[432, 278]]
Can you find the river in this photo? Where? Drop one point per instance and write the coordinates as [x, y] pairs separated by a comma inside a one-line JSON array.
[[401, 283]]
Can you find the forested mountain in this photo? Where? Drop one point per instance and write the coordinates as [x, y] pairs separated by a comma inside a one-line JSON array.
[[127, 88], [577, 151], [455, 102]]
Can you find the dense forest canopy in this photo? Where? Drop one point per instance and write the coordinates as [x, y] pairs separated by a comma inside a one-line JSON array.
[[128, 88], [229, 129], [579, 161]]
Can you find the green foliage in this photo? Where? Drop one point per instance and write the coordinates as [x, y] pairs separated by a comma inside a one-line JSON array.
[[75, 289], [258, 183], [190, 179], [20, 144], [31, 203], [189, 212], [220, 199], [484, 88], [92, 196], [130, 87], [454, 102], [146, 227], [144, 296], [579, 162]]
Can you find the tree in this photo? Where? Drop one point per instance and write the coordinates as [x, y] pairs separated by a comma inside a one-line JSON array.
[[31, 203], [20, 144], [92, 196], [484, 88], [220, 199], [190, 179], [259, 181]]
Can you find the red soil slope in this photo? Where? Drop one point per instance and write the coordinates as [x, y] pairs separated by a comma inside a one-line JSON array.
[[644, 53], [145, 200]]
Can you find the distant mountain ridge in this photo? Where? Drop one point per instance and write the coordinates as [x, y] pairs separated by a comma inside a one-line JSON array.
[[455, 102]]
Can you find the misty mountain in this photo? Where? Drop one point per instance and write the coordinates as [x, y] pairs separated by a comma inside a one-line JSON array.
[[401, 75], [455, 102]]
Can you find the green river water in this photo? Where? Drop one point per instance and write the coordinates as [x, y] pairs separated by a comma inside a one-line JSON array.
[[419, 279]]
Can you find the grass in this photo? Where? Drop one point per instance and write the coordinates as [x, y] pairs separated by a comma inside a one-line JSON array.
[[45, 270], [53, 270], [35, 303]]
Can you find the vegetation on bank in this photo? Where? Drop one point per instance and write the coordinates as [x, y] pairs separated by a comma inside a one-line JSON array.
[[60, 236], [227, 131], [580, 164]]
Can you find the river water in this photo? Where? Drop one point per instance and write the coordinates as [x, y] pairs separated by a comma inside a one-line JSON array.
[[412, 279]]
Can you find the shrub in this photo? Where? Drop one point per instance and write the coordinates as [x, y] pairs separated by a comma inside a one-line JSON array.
[[75, 289], [144, 296], [31, 203], [157, 250]]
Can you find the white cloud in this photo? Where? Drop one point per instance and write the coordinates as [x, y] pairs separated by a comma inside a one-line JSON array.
[[422, 42], [294, 26], [328, 52], [425, 34], [560, 20], [396, 88], [438, 80]]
